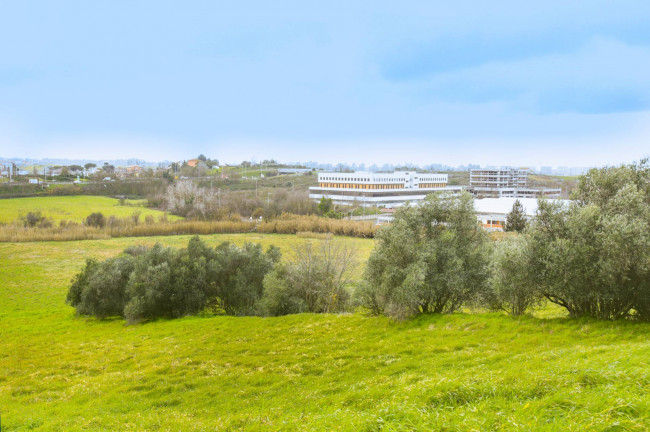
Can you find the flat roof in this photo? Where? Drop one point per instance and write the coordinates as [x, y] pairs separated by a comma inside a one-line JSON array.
[[504, 205]]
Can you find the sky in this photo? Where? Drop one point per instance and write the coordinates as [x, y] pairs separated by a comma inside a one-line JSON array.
[[557, 83]]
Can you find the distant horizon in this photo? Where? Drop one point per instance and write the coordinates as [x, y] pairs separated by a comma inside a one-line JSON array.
[[359, 166]]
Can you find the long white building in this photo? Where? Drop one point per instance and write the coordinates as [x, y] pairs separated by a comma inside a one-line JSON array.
[[379, 189], [491, 213]]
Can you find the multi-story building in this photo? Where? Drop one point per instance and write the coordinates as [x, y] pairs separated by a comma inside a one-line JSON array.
[[506, 183], [379, 189]]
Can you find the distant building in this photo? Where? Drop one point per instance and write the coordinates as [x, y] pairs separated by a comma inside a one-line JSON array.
[[506, 183], [293, 170], [379, 189], [491, 213], [196, 163]]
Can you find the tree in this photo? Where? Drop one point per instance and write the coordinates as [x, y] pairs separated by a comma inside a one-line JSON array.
[[512, 287], [325, 206], [314, 280], [593, 257], [431, 259], [202, 158], [516, 219], [89, 165]]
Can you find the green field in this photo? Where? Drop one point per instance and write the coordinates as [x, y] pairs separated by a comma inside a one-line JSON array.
[[303, 372], [73, 208]]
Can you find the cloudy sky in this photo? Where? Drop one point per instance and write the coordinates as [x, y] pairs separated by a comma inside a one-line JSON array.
[[506, 83]]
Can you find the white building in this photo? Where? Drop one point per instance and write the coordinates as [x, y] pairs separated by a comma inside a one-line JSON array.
[[491, 213], [379, 189], [506, 182]]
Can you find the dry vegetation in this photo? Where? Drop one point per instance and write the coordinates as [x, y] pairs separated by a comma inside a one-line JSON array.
[[133, 227]]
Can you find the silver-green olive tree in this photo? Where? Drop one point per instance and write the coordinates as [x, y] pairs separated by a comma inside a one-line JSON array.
[[432, 259], [593, 257], [512, 284]]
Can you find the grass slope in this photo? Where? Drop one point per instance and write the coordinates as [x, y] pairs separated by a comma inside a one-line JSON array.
[[305, 372], [73, 208]]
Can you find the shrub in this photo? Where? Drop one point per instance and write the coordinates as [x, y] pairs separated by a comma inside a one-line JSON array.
[[33, 219], [238, 275], [512, 287], [280, 298], [314, 280], [432, 258], [100, 288], [147, 283], [165, 283], [96, 220]]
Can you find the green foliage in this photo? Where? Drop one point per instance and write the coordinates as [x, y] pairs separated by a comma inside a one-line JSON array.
[[280, 297], [100, 288], [144, 284], [432, 258], [237, 276], [325, 206], [516, 219], [314, 280], [593, 257], [512, 284]]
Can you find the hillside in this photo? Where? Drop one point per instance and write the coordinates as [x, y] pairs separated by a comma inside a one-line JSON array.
[[301, 372]]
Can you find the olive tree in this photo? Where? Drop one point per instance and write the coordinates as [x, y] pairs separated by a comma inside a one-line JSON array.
[[512, 284], [432, 258], [100, 288], [593, 257]]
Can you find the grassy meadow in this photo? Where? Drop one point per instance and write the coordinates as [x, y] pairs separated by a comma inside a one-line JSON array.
[[457, 372], [73, 208]]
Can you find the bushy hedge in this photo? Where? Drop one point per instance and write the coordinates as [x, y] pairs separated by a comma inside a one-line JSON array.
[[159, 282]]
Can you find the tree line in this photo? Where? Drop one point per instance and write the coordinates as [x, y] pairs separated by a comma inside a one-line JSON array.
[[590, 257]]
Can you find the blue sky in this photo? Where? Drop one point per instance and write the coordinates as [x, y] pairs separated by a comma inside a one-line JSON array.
[[505, 83]]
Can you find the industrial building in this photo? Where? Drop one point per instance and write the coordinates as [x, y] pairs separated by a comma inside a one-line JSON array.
[[379, 189], [506, 183], [491, 213]]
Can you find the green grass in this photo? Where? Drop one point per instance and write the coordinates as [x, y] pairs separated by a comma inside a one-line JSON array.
[[73, 208], [303, 372]]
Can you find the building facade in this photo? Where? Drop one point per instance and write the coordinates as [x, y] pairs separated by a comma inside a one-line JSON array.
[[506, 183], [379, 189]]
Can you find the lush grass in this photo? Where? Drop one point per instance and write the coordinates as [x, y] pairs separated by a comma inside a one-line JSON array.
[[73, 208], [306, 372]]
